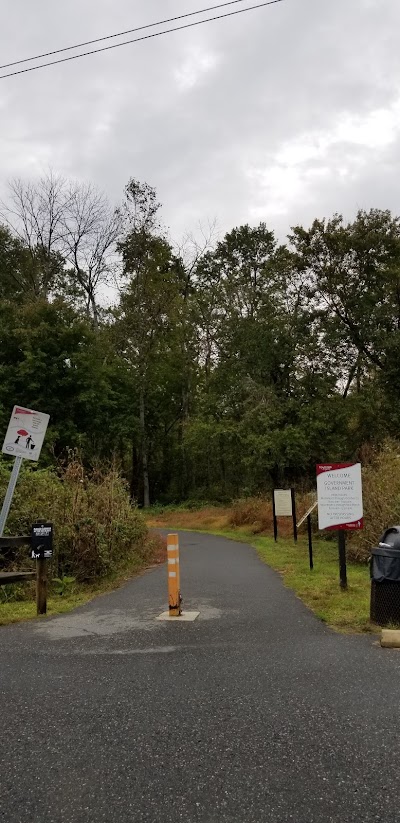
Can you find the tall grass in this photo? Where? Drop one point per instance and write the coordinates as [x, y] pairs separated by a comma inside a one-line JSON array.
[[381, 497]]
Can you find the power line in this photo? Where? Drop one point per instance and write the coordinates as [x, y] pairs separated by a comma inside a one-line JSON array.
[[120, 34], [139, 39]]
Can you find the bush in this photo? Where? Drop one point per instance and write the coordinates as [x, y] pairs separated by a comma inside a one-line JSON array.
[[96, 528], [256, 513], [381, 497]]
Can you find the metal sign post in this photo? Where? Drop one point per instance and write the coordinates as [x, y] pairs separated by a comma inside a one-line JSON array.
[[342, 559], [9, 493], [294, 514], [310, 548], [274, 517], [307, 516]]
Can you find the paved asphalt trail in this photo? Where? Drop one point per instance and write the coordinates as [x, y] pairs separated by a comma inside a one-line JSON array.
[[255, 712]]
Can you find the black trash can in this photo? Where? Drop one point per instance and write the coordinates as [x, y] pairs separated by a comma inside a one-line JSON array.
[[385, 579]]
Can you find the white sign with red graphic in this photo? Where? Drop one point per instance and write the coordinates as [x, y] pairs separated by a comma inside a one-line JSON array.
[[25, 433], [339, 489]]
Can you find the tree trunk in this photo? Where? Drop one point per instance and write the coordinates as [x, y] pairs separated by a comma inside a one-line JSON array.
[[93, 310], [350, 379], [183, 490], [134, 484], [143, 441]]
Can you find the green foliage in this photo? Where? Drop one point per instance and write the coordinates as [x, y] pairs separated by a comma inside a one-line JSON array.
[[63, 585], [96, 527], [51, 359], [16, 592]]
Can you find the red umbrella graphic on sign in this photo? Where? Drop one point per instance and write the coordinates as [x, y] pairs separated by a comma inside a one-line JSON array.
[[21, 433]]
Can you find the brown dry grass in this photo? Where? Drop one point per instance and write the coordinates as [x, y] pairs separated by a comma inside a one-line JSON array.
[[209, 517], [253, 514]]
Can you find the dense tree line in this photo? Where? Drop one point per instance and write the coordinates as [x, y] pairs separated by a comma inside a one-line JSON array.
[[211, 370]]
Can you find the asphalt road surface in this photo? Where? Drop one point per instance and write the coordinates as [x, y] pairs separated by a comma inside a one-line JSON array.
[[254, 712]]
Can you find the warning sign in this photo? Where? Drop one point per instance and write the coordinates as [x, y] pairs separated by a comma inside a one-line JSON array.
[[25, 433]]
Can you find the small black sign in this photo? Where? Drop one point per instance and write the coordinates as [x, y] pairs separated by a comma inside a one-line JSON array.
[[42, 541]]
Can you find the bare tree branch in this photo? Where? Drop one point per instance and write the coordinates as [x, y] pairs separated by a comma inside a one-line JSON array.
[[73, 222]]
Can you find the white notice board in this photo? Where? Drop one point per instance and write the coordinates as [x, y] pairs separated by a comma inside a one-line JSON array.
[[25, 433], [283, 502]]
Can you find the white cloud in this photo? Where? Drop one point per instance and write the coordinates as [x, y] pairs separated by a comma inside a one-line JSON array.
[[285, 113], [301, 164], [193, 68]]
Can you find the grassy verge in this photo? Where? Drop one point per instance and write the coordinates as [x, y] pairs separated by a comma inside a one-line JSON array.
[[345, 611], [319, 589], [15, 611]]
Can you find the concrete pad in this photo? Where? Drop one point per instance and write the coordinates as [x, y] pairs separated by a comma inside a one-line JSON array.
[[182, 618], [390, 638]]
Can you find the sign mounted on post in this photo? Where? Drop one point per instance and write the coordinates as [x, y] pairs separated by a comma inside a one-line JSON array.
[[23, 440], [42, 541], [25, 433], [283, 502], [284, 505], [340, 505], [339, 491]]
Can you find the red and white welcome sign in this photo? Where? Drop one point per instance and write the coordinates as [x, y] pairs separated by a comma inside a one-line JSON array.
[[339, 489]]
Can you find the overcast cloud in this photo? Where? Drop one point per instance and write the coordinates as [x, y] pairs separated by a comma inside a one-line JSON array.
[[282, 114]]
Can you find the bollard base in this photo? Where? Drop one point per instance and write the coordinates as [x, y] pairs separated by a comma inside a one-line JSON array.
[[184, 617], [390, 639]]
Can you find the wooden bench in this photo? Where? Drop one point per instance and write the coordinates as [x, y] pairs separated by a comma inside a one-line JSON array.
[[14, 543], [19, 577], [15, 577]]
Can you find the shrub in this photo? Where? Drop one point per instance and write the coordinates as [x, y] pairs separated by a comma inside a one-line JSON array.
[[96, 527], [381, 497], [246, 512], [256, 513]]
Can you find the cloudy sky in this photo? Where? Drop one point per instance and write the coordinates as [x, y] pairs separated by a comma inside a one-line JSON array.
[[281, 114]]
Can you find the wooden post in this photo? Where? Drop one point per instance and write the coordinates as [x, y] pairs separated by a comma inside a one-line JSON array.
[[174, 593], [41, 586]]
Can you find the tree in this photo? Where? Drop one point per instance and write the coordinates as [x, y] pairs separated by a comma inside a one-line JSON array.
[[70, 232], [18, 268], [144, 322], [353, 281], [51, 359]]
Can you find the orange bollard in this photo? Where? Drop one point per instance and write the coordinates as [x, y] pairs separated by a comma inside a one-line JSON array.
[[174, 583]]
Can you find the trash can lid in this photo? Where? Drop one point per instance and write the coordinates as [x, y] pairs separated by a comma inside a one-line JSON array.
[[391, 537]]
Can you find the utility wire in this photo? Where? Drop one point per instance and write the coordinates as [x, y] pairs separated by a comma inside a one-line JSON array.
[[139, 39], [120, 34]]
